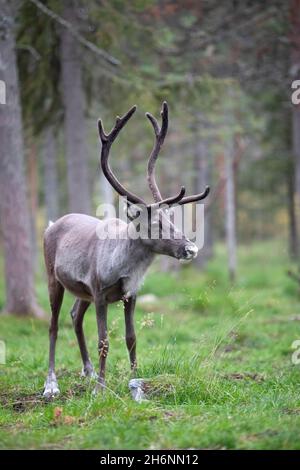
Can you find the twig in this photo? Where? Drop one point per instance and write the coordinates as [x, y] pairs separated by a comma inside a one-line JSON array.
[[104, 55], [29, 49]]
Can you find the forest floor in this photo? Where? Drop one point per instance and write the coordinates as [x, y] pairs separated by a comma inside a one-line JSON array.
[[220, 359]]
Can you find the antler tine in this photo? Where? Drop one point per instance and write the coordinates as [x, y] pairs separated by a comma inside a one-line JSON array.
[[107, 140], [174, 199], [102, 134], [160, 134], [195, 197], [120, 123]]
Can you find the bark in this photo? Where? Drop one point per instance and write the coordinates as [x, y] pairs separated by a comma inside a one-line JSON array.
[[74, 118], [14, 211], [168, 177], [296, 154], [293, 233], [295, 62], [32, 177], [202, 179], [50, 174], [230, 209]]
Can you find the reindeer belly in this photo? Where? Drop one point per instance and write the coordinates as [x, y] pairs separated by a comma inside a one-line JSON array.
[[75, 286], [114, 293]]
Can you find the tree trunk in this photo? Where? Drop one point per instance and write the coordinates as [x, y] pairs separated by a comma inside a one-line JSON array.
[[107, 192], [202, 179], [50, 174], [169, 185], [295, 62], [32, 177], [296, 154], [74, 118], [230, 209], [14, 212], [293, 234]]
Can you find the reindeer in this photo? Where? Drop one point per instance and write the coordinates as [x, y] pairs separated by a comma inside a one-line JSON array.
[[107, 270]]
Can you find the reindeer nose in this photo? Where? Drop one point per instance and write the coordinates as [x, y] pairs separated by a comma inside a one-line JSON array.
[[191, 251]]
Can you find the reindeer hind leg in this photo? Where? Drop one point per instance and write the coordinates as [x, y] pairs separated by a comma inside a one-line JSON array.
[[56, 294]]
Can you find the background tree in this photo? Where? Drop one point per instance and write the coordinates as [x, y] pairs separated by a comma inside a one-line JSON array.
[[186, 52], [295, 70], [50, 181], [14, 212], [73, 98]]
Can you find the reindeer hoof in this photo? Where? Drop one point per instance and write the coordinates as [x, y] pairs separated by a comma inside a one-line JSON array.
[[51, 389], [100, 387], [88, 372]]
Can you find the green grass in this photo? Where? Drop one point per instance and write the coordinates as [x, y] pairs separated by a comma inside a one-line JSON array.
[[220, 357]]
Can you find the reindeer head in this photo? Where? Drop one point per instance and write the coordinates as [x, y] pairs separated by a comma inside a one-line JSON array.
[[163, 237]]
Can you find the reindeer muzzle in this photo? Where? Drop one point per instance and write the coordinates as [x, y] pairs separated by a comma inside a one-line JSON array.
[[190, 252]]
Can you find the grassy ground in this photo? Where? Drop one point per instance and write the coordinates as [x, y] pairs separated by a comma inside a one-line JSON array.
[[220, 357]]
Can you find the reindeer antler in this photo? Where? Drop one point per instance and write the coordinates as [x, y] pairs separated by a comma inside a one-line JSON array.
[[160, 134], [195, 197], [107, 140]]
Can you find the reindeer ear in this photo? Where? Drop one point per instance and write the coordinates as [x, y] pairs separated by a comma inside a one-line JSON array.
[[132, 210]]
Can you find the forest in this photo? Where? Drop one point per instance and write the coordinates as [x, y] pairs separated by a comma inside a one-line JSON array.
[[218, 338]]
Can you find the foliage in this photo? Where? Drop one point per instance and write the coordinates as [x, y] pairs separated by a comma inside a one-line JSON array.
[[39, 68], [222, 68], [221, 357]]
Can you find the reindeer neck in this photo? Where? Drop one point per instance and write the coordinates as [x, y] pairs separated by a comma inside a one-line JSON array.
[[134, 259]]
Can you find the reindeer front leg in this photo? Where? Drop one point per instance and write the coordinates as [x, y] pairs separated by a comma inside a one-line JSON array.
[[129, 307], [103, 345]]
